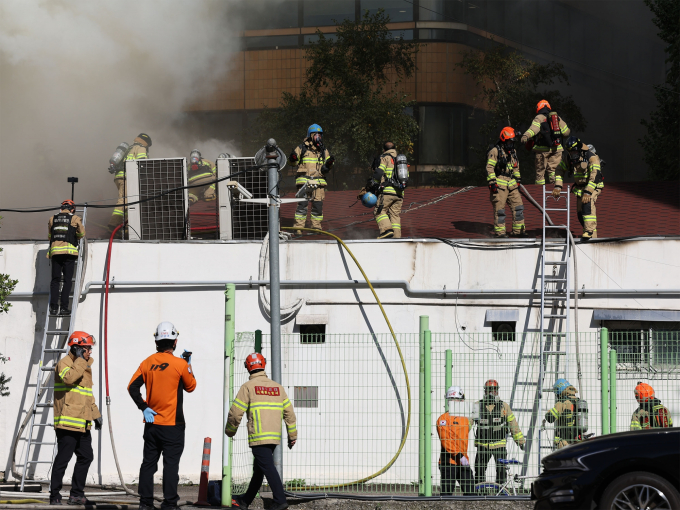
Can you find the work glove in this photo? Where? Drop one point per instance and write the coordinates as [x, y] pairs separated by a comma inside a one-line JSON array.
[[524, 139], [187, 356], [493, 187], [518, 180], [149, 414], [556, 191], [291, 444], [586, 198], [98, 423], [78, 351], [464, 461], [293, 157], [330, 162]]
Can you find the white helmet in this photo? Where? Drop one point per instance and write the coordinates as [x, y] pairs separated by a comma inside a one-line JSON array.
[[455, 393], [165, 331]]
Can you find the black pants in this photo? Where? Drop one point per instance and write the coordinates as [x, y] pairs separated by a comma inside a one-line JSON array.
[[451, 474], [482, 460], [264, 466], [68, 442], [61, 264], [168, 440]]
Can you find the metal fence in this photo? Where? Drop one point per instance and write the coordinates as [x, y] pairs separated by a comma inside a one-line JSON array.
[[350, 394]]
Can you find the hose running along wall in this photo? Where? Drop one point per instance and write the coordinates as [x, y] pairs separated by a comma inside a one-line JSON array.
[[403, 364]]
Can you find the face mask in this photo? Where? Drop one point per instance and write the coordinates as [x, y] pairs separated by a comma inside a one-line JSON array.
[[510, 145], [317, 139], [574, 156]]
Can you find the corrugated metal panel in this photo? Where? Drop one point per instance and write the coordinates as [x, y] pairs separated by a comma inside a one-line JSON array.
[[636, 315], [502, 315]]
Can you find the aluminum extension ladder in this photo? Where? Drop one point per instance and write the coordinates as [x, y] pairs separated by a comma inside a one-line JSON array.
[[55, 335], [555, 275]]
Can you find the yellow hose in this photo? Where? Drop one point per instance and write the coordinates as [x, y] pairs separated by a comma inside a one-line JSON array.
[[401, 356], [22, 501]]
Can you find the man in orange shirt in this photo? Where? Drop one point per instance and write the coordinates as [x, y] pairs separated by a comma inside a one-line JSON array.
[[453, 429], [165, 377]]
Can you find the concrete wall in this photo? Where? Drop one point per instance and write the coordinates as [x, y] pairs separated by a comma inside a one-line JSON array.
[[198, 313]]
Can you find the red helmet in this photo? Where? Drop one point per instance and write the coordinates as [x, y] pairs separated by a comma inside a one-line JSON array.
[[491, 387], [643, 392], [68, 204], [508, 133], [81, 338], [255, 361], [541, 104]]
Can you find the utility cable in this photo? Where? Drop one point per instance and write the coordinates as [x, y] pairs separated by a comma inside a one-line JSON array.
[[401, 356]]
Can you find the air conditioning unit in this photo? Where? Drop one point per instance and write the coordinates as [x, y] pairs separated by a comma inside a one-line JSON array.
[[164, 218]]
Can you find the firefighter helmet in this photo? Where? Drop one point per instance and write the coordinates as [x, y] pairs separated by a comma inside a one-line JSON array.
[[542, 104], [573, 147], [224, 155], [491, 387], [146, 138], [369, 199], [314, 128], [643, 392], [255, 361], [68, 204], [560, 385], [81, 338], [455, 393], [165, 331], [508, 133]]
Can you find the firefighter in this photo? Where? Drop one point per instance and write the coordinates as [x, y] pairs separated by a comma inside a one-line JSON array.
[[549, 129], [586, 166], [64, 230], [74, 413], [390, 188], [563, 415], [201, 172], [494, 420], [453, 429], [651, 413], [502, 167], [313, 162], [138, 150], [265, 402], [166, 377]]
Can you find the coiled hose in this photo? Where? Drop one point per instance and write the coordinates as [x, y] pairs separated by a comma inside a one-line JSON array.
[[401, 357]]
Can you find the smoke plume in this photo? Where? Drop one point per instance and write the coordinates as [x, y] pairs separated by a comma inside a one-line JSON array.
[[79, 77]]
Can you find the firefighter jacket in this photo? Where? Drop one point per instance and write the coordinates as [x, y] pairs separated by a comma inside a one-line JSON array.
[[453, 433], [385, 172], [651, 415], [502, 168], [265, 403], [206, 169], [139, 150], [564, 418], [64, 230], [587, 172], [166, 378], [543, 145], [311, 164], [495, 420], [74, 406]]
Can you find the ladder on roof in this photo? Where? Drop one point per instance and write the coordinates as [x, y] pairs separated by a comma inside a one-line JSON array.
[[542, 359], [57, 330]]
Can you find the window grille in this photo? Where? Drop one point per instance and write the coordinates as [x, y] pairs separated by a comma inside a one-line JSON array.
[[306, 396], [652, 348], [312, 333]]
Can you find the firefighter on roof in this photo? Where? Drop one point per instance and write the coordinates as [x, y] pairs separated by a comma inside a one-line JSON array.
[[549, 129], [125, 152], [651, 413], [390, 176], [202, 176], [313, 162]]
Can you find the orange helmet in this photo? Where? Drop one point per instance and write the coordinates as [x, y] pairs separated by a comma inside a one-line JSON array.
[[81, 338], [255, 361], [643, 392], [542, 104], [491, 387], [68, 204], [508, 133]]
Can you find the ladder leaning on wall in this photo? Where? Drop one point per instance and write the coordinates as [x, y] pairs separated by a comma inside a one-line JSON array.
[[57, 330]]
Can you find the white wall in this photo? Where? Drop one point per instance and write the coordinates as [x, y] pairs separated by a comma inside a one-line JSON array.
[[199, 316]]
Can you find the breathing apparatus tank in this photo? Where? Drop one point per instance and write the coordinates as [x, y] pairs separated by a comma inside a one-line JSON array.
[[555, 133], [118, 157], [401, 170], [582, 416]]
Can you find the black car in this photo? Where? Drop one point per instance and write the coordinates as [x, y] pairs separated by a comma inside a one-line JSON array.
[[626, 470]]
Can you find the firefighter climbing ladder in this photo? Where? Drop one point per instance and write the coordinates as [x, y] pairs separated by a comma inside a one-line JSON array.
[[56, 332], [554, 274]]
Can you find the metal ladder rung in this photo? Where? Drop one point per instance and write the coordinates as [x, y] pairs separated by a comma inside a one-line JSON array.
[[554, 262], [39, 462], [33, 442], [554, 279], [43, 424], [530, 356], [58, 332], [555, 226], [47, 369], [561, 353], [527, 383], [523, 410], [554, 316], [49, 351], [46, 404]]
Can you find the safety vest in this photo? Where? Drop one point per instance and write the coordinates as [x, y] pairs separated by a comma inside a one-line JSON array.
[[492, 426], [62, 230]]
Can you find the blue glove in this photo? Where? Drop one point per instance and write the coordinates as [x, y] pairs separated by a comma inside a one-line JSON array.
[[149, 414], [187, 356]]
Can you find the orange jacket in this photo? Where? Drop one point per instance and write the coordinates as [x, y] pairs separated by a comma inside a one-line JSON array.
[[453, 432], [166, 377]]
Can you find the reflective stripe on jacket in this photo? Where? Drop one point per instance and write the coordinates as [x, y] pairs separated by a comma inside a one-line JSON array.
[[206, 168], [660, 417], [494, 423], [62, 247], [503, 177], [265, 402], [139, 150], [535, 129], [385, 171], [309, 166], [587, 174], [74, 404], [562, 415]]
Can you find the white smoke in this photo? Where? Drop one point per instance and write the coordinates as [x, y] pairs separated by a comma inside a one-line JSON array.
[[78, 77]]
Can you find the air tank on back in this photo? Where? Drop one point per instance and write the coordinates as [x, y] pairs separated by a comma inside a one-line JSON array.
[[118, 156], [401, 173]]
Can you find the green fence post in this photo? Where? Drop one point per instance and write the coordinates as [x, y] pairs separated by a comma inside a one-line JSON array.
[[258, 341], [424, 326], [604, 375], [229, 338], [612, 390], [448, 370], [427, 425]]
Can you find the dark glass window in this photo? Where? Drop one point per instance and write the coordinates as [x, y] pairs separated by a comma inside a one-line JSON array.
[[312, 333], [397, 10], [321, 13], [503, 331], [285, 41], [443, 135], [264, 14]]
